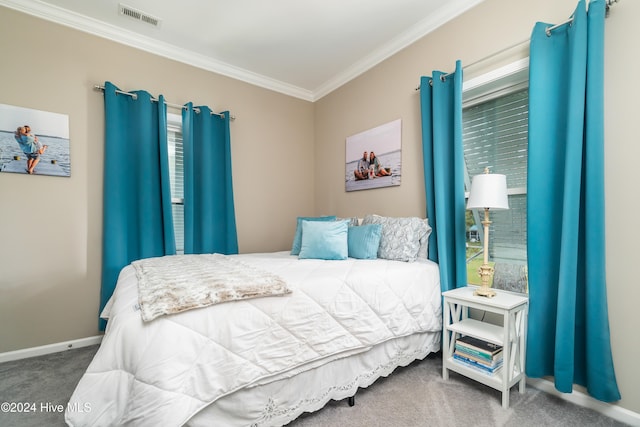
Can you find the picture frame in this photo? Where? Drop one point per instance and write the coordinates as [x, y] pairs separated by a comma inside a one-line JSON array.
[[385, 170], [34, 142]]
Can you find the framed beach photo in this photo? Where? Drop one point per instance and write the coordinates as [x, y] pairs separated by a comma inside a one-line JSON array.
[[34, 142], [374, 157]]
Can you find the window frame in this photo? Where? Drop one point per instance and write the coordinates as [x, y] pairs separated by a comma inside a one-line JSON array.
[[497, 83]]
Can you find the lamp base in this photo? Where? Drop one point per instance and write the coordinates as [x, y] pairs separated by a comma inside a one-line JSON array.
[[484, 291], [485, 272]]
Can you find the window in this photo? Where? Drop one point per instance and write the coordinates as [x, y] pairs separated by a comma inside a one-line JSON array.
[[495, 135], [176, 177]]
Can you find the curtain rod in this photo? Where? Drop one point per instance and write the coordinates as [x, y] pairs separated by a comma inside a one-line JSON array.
[[168, 104], [548, 31], [486, 58]]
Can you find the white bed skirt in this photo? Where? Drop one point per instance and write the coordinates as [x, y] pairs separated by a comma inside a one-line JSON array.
[[279, 402]]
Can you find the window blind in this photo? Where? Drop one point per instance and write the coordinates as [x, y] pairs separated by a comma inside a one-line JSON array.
[[495, 135], [176, 178]]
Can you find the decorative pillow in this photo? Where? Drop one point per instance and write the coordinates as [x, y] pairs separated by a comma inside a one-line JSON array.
[[423, 252], [353, 221], [324, 240], [364, 241], [297, 239], [401, 237]]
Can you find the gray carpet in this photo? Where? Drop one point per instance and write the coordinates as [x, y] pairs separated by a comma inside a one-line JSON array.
[[412, 396]]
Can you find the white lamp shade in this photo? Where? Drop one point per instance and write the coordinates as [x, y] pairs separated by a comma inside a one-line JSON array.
[[488, 190]]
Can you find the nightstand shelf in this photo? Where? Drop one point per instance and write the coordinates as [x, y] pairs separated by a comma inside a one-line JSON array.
[[511, 336]]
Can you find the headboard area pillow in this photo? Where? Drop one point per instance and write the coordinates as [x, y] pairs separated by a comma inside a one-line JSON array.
[[402, 239], [324, 240], [353, 221], [364, 241], [297, 239]]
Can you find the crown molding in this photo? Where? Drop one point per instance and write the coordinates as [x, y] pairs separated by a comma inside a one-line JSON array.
[[441, 16], [92, 26], [101, 29]]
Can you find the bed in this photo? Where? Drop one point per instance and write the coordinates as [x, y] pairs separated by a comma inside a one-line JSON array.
[[337, 324]]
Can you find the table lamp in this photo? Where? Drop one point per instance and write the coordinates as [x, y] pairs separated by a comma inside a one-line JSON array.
[[488, 191]]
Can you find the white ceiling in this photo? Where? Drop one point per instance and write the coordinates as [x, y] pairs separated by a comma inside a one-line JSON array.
[[303, 48]]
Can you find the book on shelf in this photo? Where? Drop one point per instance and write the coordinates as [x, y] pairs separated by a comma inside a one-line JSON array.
[[484, 361], [479, 367], [477, 353], [478, 345]]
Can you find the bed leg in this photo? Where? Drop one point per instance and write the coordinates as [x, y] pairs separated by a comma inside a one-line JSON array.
[[352, 400]]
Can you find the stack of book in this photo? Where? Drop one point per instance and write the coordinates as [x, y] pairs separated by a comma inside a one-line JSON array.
[[478, 354]]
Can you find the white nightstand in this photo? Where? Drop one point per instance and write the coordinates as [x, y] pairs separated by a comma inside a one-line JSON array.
[[513, 308]]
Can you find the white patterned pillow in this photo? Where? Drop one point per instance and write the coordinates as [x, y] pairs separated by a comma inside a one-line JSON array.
[[423, 252], [403, 239], [353, 221]]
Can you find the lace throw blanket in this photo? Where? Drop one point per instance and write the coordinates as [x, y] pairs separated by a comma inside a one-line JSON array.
[[172, 284]]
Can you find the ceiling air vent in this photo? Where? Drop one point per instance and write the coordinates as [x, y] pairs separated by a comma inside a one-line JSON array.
[[139, 15]]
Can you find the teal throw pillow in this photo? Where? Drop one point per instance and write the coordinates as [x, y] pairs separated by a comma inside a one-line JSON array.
[[364, 241], [297, 238], [324, 240]]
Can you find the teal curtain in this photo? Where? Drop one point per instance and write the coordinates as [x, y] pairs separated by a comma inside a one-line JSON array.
[[137, 220], [441, 110], [209, 213], [568, 333]]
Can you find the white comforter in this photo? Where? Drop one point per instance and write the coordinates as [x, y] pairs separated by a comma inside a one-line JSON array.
[[165, 371]]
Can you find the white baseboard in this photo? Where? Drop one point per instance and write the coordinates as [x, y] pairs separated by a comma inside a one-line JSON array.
[[611, 410], [48, 349]]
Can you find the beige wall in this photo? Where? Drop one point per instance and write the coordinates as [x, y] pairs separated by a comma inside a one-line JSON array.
[[387, 92], [50, 228]]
